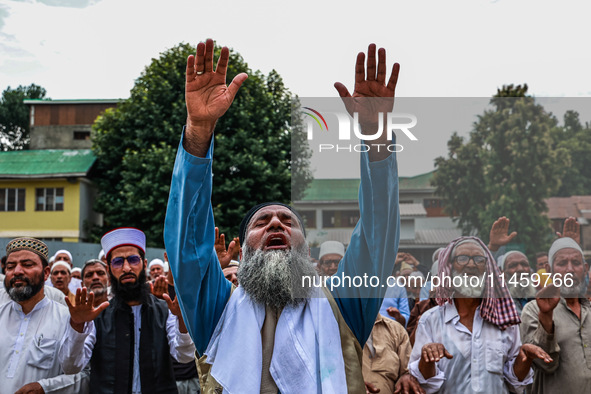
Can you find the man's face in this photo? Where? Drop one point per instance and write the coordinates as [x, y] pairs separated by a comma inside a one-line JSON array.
[[274, 227], [570, 261], [60, 278], [25, 275], [516, 263], [329, 264], [471, 268], [156, 271], [63, 257], [127, 273], [230, 274], [76, 274], [542, 263], [413, 284], [96, 279]]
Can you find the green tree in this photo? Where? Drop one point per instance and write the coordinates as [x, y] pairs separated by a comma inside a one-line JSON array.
[[575, 138], [136, 144], [14, 116], [507, 168]]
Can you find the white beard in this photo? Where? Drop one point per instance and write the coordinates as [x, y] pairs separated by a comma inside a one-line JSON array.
[[465, 289]]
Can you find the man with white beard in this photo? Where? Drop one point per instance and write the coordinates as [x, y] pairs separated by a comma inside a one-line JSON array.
[[515, 266], [272, 334], [470, 343], [560, 323]]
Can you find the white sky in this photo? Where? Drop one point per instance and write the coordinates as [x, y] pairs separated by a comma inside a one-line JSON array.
[[96, 48]]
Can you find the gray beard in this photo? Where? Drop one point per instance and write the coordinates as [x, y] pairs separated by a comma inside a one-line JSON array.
[[573, 291], [465, 289], [274, 278], [519, 291]]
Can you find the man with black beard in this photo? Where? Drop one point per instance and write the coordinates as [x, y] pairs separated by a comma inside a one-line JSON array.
[[560, 323], [33, 326], [130, 339], [277, 332]]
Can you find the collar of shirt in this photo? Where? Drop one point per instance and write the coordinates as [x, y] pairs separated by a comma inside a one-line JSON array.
[[40, 305]]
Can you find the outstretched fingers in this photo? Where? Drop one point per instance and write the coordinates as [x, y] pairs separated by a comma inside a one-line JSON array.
[[381, 77], [200, 58], [236, 83], [222, 66], [371, 62], [208, 61], [360, 68], [394, 77]]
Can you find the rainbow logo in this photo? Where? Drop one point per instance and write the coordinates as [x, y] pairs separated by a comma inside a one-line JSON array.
[[315, 118]]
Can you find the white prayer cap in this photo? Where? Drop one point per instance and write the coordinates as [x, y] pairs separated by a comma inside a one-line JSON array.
[[330, 247], [51, 260], [63, 251], [125, 236], [61, 264], [156, 262], [562, 243], [501, 259], [234, 263], [77, 269], [101, 254]]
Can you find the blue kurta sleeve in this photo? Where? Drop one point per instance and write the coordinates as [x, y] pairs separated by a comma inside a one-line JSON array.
[[189, 235], [373, 247]]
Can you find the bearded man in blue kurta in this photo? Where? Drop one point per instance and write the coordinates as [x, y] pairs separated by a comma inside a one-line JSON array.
[[271, 334]]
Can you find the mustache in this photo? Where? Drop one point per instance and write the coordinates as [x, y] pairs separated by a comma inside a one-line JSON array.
[[21, 278], [129, 275]]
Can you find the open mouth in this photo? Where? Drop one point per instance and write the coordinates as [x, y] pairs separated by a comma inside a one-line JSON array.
[[276, 241]]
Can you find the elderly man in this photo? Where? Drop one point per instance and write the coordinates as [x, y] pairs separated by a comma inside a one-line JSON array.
[[96, 280], [65, 256], [60, 279], [331, 253], [291, 338], [33, 326], [515, 266], [470, 344], [128, 341], [231, 272], [560, 323], [156, 268]]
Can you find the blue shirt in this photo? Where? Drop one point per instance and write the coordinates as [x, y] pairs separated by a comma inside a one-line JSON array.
[[200, 284], [397, 297]]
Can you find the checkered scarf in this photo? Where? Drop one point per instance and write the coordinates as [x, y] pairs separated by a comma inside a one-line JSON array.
[[497, 305]]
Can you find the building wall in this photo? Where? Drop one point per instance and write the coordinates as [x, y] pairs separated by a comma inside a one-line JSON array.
[[66, 114], [60, 137], [43, 224], [87, 214]]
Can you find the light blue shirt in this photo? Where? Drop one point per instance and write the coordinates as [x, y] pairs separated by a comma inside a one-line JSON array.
[[397, 297], [200, 284], [482, 359]]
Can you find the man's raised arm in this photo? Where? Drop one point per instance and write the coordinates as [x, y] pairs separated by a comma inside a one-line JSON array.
[[374, 243], [189, 231]]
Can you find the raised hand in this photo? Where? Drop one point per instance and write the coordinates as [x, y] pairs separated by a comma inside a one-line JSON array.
[[159, 286], [225, 256], [84, 310], [547, 299], [175, 309], [206, 94], [571, 229], [499, 234]]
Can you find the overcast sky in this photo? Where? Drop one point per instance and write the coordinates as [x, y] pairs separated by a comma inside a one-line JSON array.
[[97, 48]]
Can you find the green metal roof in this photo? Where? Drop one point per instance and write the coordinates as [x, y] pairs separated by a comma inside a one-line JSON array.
[[347, 189], [46, 163]]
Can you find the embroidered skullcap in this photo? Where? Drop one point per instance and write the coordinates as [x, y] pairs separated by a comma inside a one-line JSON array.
[[331, 247], [562, 243], [61, 264], [124, 236], [255, 209], [233, 263], [156, 262], [63, 251], [31, 244]]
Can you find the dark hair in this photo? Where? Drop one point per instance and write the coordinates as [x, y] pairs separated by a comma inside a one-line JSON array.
[[541, 254]]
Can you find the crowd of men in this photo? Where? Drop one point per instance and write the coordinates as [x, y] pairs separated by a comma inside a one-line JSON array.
[[241, 318]]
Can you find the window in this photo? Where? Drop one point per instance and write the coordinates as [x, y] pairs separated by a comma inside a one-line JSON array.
[[345, 218], [81, 135], [50, 199], [12, 200], [309, 218]]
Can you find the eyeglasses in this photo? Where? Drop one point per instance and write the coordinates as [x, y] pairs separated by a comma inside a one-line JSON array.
[[463, 259], [330, 262], [118, 262]]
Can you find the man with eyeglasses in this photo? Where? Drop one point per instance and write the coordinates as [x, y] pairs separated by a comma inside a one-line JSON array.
[[130, 339], [470, 343], [331, 253]]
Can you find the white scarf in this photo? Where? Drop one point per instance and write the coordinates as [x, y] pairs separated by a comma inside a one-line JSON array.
[[307, 353]]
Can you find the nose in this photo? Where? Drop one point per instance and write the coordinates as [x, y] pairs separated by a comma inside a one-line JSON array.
[[275, 224], [18, 269]]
